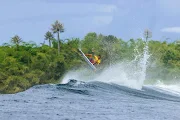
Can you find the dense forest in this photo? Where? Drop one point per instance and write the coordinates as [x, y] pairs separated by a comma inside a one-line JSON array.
[[25, 64]]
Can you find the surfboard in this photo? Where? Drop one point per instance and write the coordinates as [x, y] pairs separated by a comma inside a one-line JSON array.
[[87, 60]]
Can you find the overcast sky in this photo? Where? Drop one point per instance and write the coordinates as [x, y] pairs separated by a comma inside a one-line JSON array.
[[31, 19]]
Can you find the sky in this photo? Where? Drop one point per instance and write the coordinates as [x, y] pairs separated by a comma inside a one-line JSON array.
[[125, 19]]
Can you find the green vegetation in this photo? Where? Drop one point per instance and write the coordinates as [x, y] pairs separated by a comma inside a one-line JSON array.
[[25, 64]]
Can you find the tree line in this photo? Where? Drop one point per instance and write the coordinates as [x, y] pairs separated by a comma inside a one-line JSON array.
[[25, 64]]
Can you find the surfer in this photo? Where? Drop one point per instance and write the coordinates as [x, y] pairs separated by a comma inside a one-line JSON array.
[[91, 59], [94, 59], [97, 59]]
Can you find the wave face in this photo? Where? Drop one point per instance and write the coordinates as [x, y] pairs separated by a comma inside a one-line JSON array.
[[90, 100]]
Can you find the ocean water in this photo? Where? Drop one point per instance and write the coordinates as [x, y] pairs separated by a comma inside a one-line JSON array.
[[95, 100]]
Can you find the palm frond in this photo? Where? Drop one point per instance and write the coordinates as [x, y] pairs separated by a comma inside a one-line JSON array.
[[57, 27], [16, 39], [48, 36]]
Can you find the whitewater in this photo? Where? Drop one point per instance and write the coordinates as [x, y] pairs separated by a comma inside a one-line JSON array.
[[117, 92]]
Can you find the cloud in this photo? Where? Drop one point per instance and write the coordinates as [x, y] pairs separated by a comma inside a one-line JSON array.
[[36, 8], [107, 8], [78, 1], [171, 29], [102, 20], [39, 10]]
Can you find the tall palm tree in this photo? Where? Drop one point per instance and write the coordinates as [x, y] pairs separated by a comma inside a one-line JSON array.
[[49, 36], [58, 28], [147, 34], [16, 40]]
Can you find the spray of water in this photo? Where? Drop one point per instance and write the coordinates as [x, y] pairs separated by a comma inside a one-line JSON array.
[[143, 64], [129, 73]]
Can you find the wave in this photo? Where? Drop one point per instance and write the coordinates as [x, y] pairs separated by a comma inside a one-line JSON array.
[[109, 90], [172, 88]]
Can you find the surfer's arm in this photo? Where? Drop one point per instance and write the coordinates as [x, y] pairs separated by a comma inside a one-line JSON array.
[[88, 55]]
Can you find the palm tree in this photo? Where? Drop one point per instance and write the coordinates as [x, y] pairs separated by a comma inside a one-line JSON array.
[[16, 40], [147, 34], [58, 28], [49, 36]]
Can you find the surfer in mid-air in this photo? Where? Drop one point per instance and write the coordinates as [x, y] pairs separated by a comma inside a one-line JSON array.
[[91, 59], [94, 59]]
